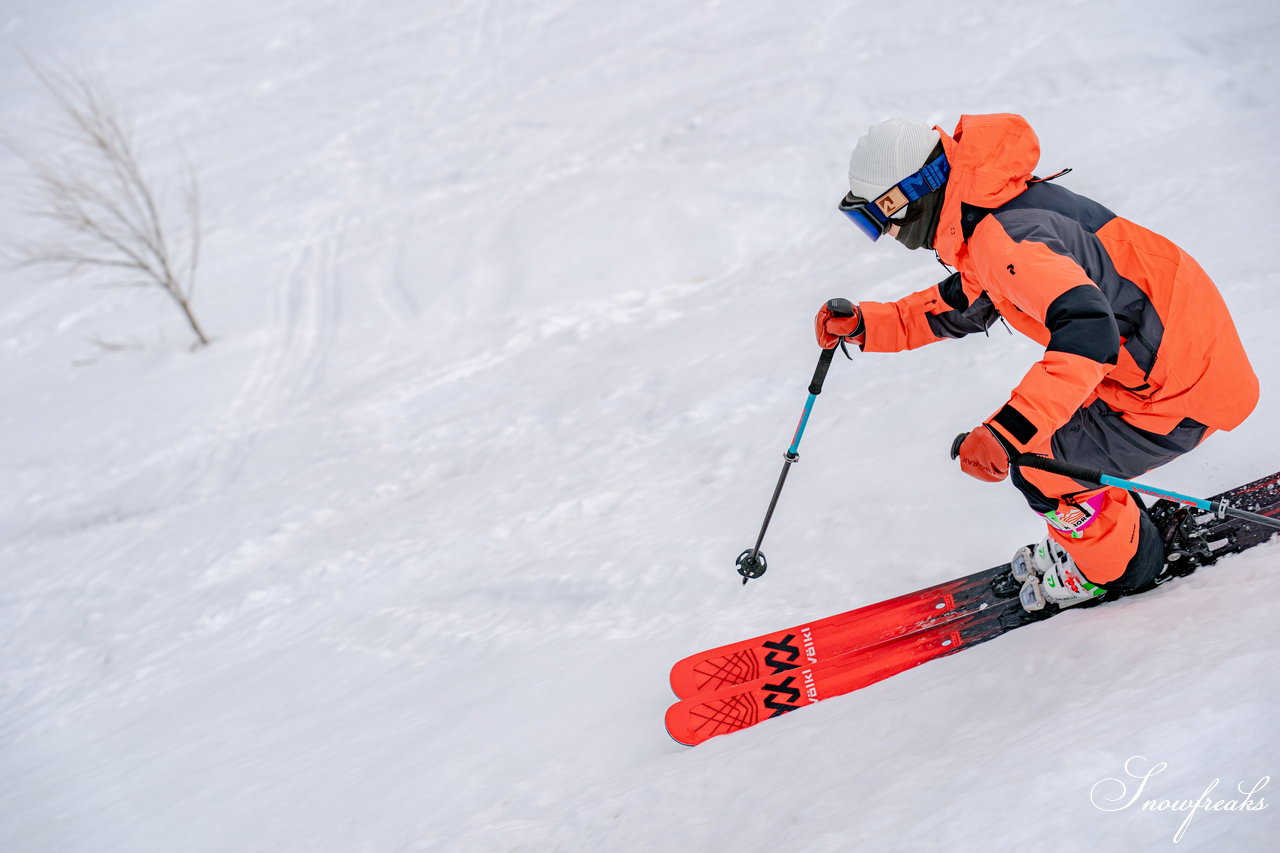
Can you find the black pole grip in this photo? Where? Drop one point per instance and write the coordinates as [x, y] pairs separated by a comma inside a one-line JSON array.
[[1055, 466], [820, 372], [840, 308]]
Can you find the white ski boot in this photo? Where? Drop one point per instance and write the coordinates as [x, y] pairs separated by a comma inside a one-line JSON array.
[[1049, 576]]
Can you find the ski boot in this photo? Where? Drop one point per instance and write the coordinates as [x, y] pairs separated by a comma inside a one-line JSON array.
[[1050, 579]]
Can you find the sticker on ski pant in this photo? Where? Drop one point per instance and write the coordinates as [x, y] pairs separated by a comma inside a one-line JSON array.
[[1074, 518]]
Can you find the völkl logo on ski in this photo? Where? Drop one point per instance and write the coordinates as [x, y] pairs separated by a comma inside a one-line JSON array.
[[784, 646], [782, 689]]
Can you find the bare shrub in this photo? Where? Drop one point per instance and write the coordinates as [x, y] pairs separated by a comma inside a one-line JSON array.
[[105, 213]]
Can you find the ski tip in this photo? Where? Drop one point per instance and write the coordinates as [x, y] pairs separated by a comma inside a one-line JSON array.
[[672, 682], [673, 720]]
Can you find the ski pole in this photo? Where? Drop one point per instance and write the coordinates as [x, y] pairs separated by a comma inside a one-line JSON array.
[[751, 562], [1220, 509]]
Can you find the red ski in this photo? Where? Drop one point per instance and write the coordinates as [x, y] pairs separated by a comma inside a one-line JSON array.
[[802, 645], [738, 706]]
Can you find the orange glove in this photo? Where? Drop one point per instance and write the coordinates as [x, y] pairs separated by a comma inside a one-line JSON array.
[[839, 318], [982, 455]]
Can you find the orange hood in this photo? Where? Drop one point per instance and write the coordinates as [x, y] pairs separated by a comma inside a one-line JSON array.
[[992, 158]]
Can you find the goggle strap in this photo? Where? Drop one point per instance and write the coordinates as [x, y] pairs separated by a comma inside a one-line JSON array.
[[935, 174], [930, 177]]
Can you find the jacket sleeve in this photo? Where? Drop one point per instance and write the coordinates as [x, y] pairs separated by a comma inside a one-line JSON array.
[[1045, 283], [942, 311]]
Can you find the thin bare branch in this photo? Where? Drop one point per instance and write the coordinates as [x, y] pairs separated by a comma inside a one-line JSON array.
[[92, 188]]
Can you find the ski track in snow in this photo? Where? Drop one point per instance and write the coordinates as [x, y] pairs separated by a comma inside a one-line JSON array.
[[511, 306], [304, 323]]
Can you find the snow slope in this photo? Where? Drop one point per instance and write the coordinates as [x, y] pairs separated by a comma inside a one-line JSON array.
[[512, 305]]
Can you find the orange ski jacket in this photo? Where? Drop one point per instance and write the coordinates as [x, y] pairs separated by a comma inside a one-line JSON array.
[[1125, 315]]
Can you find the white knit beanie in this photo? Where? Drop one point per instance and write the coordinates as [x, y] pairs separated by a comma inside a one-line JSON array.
[[890, 151]]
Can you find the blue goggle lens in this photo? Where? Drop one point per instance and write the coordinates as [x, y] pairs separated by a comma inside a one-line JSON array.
[[859, 213]]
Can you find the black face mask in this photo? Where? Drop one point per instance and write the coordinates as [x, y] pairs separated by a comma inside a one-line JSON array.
[[921, 222]]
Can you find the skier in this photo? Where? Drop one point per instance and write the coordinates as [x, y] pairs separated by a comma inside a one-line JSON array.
[[1142, 361]]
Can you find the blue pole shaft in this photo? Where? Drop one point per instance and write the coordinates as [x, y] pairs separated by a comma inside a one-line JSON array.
[[1141, 488], [804, 421]]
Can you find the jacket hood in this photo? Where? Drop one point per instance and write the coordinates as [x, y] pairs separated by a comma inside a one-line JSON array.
[[992, 157]]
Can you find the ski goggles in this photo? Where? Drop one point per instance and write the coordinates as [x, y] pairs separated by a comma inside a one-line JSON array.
[[873, 218]]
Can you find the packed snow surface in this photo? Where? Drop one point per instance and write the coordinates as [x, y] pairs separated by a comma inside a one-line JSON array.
[[512, 313]]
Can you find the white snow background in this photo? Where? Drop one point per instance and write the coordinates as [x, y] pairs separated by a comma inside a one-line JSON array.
[[512, 305]]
